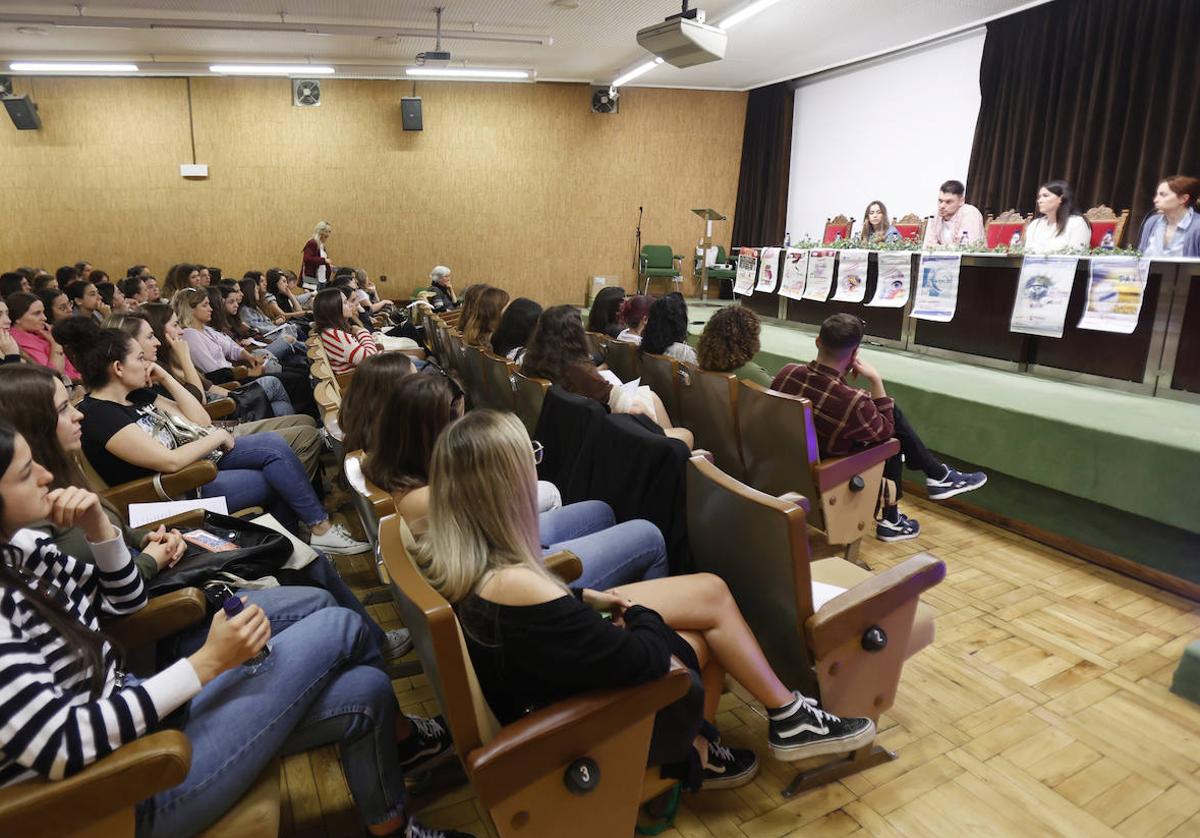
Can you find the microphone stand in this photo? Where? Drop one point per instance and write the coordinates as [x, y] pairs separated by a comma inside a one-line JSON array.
[[637, 247]]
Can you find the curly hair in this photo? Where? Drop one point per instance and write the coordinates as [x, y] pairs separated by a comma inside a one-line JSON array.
[[557, 342], [729, 339], [666, 324]]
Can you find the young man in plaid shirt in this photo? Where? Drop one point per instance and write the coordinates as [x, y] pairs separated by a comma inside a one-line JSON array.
[[848, 419]]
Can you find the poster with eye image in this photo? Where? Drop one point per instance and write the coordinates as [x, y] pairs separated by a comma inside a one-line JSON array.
[[895, 275], [820, 275], [1043, 291], [1116, 289], [795, 271], [768, 269], [747, 269], [937, 287], [851, 276]]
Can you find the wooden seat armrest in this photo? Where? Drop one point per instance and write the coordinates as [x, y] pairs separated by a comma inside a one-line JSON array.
[[835, 471], [554, 736], [131, 773], [851, 613], [344, 379], [220, 408], [183, 521], [163, 616], [382, 502], [565, 565], [239, 372], [237, 384], [798, 499], [173, 484]]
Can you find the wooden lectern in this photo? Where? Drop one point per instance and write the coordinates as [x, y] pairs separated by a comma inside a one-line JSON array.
[[709, 216]]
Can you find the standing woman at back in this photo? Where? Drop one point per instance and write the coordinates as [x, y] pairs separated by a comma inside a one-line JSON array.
[[316, 266]]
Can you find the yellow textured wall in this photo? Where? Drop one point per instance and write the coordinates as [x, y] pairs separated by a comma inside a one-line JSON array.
[[517, 185]]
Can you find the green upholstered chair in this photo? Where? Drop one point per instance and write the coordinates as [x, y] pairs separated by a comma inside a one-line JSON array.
[[657, 260], [720, 271]]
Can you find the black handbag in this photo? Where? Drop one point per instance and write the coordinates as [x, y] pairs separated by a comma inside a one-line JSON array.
[[252, 404]]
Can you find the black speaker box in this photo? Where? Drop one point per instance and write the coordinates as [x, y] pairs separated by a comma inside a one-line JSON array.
[[410, 113], [23, 112]]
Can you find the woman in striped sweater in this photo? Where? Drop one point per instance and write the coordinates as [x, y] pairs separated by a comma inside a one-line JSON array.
[[70, 704], [346, 343]]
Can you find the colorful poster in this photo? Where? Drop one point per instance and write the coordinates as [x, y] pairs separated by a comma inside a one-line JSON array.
[[1116, 289], [768, 270], [937, 287], [795, 271], [1043, 291], [747, 268], [820, 275], [851, 276], [895, 275]]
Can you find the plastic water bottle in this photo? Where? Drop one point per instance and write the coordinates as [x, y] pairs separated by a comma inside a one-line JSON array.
[[787, 239], [233, 606]]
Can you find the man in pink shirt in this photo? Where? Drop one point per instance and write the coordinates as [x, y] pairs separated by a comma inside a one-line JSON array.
[[956, 222]]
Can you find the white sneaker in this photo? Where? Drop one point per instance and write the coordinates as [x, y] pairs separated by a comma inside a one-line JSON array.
[[338, 540]]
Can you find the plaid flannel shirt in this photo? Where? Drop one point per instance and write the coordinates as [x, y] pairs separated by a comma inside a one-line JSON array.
[[847, 419]]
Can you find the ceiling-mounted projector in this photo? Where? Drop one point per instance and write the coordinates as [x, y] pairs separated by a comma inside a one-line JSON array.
[[684, 40]]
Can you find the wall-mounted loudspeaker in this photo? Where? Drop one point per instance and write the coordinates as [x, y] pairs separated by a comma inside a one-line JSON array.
[[23, 112], [410, 113], [306, 93], [605, 100]]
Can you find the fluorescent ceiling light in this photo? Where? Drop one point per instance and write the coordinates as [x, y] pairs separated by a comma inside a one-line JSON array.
[[70, 67], [270, 70], [465, 73], [745, 13], [639, 70]]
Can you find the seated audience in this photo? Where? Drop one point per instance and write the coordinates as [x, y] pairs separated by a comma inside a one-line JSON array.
[[1059, 226], [134, 289], [346, 342], [483, 318], [956, 221], [848, 419], [40, 278], [1173, 230], [180, 276], [877, 228], [32, 334], [112, 297], [666, 329], [12, 283], [226, 299], [86, 300], [125, 437], [443, 297], [65, 275], [85, 271], [141, 271], [470, 297], [368, 293], [364, 402], [153, 292], [57, 304], [205, 277], [729, 343], [633, 313], [526, 631], [516, 327], [280, 297], [173, 354], [416, 411], [250, 311], [10, 353], [323, 668], [604, 315]]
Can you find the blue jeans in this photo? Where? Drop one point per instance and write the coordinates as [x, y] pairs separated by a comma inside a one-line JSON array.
[[612, 554], [262, 470], [276, 395], [321, 685]]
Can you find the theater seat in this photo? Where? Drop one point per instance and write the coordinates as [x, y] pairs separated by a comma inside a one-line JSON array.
[[708, 402], [158, 488], [623, 359], [500, 391], [528, 395], [473, 382], [661, 374]]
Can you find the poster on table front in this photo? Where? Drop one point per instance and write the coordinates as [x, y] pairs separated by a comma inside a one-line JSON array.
[[795, 271], [820, 275], [851, 276], [747, 268], [1043, 291], [768, 269], [937, 287], [891, 289], [1116, 289]]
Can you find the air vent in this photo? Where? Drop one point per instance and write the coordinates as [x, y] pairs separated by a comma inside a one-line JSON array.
[[604, 100], [306, 93]]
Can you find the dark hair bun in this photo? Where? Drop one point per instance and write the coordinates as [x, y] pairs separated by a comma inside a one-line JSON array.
[[77, 332]]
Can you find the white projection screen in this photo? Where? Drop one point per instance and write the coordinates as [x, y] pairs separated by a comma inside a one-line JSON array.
[[891, 129]]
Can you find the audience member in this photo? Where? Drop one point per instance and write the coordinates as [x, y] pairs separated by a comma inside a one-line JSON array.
[[516, 326], [65, 275], [226, 302], [153, 292], [346, 342], [316, 269], [180, 276], [876, 225], [141, 271], [57, 304], [442, 297], [32, 333], [956, 221], [666, 329], [86, 300], [251, 310], [1059, 226], [112, 296], [280, 297], [10, 353], [484, 317], [729, 343], [134, 289], [85, 271], [848, 419], [364, 402], [633, 313], [469, 298], [40, 279], [12, 283], [1172, 230], [203, 276], [604, 315]]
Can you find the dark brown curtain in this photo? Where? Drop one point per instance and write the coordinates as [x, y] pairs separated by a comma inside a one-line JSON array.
[[766, 164], [1102, 93]]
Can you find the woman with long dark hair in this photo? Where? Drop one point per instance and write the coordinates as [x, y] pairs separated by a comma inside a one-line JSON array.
[[484, 317], [347, 344], [603, 317], [666, 329], [1059, 225], [516, 326], [877, 227]]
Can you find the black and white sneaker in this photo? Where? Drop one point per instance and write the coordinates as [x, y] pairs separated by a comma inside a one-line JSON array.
[[902, 529], [429, 744], [954, 483], [416, 830], [729, 768], [802, 730], [396, 644]]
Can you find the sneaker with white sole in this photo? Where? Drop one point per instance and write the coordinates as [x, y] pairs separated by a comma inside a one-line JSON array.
[[337, 539], [729, 768], [901, 529], [416, 830], [802, 730], [428, 745], [396, 644], [954, 483]]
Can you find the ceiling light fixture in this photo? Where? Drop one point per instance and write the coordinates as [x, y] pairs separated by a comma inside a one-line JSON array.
[[639, 70], [70, 67], [745, 13], [466, 73], [270, 70]]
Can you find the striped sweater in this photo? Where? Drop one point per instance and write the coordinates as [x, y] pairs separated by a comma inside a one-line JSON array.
[[50, 726], [345, 350]]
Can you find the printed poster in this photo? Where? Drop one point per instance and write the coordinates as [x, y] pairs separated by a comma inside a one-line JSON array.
[[1116, 289], [937, 287], [1043, 291], [795, 271], [768, 270], [891, 289], [747, 268], [820, 275], [851, 276]]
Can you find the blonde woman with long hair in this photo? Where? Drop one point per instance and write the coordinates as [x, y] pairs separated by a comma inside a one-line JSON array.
[[534, 643]]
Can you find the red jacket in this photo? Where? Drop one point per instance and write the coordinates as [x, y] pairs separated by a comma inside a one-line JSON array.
[[314, 260]]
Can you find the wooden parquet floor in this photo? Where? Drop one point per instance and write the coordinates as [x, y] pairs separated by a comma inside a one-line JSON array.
[[1041, 709]]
